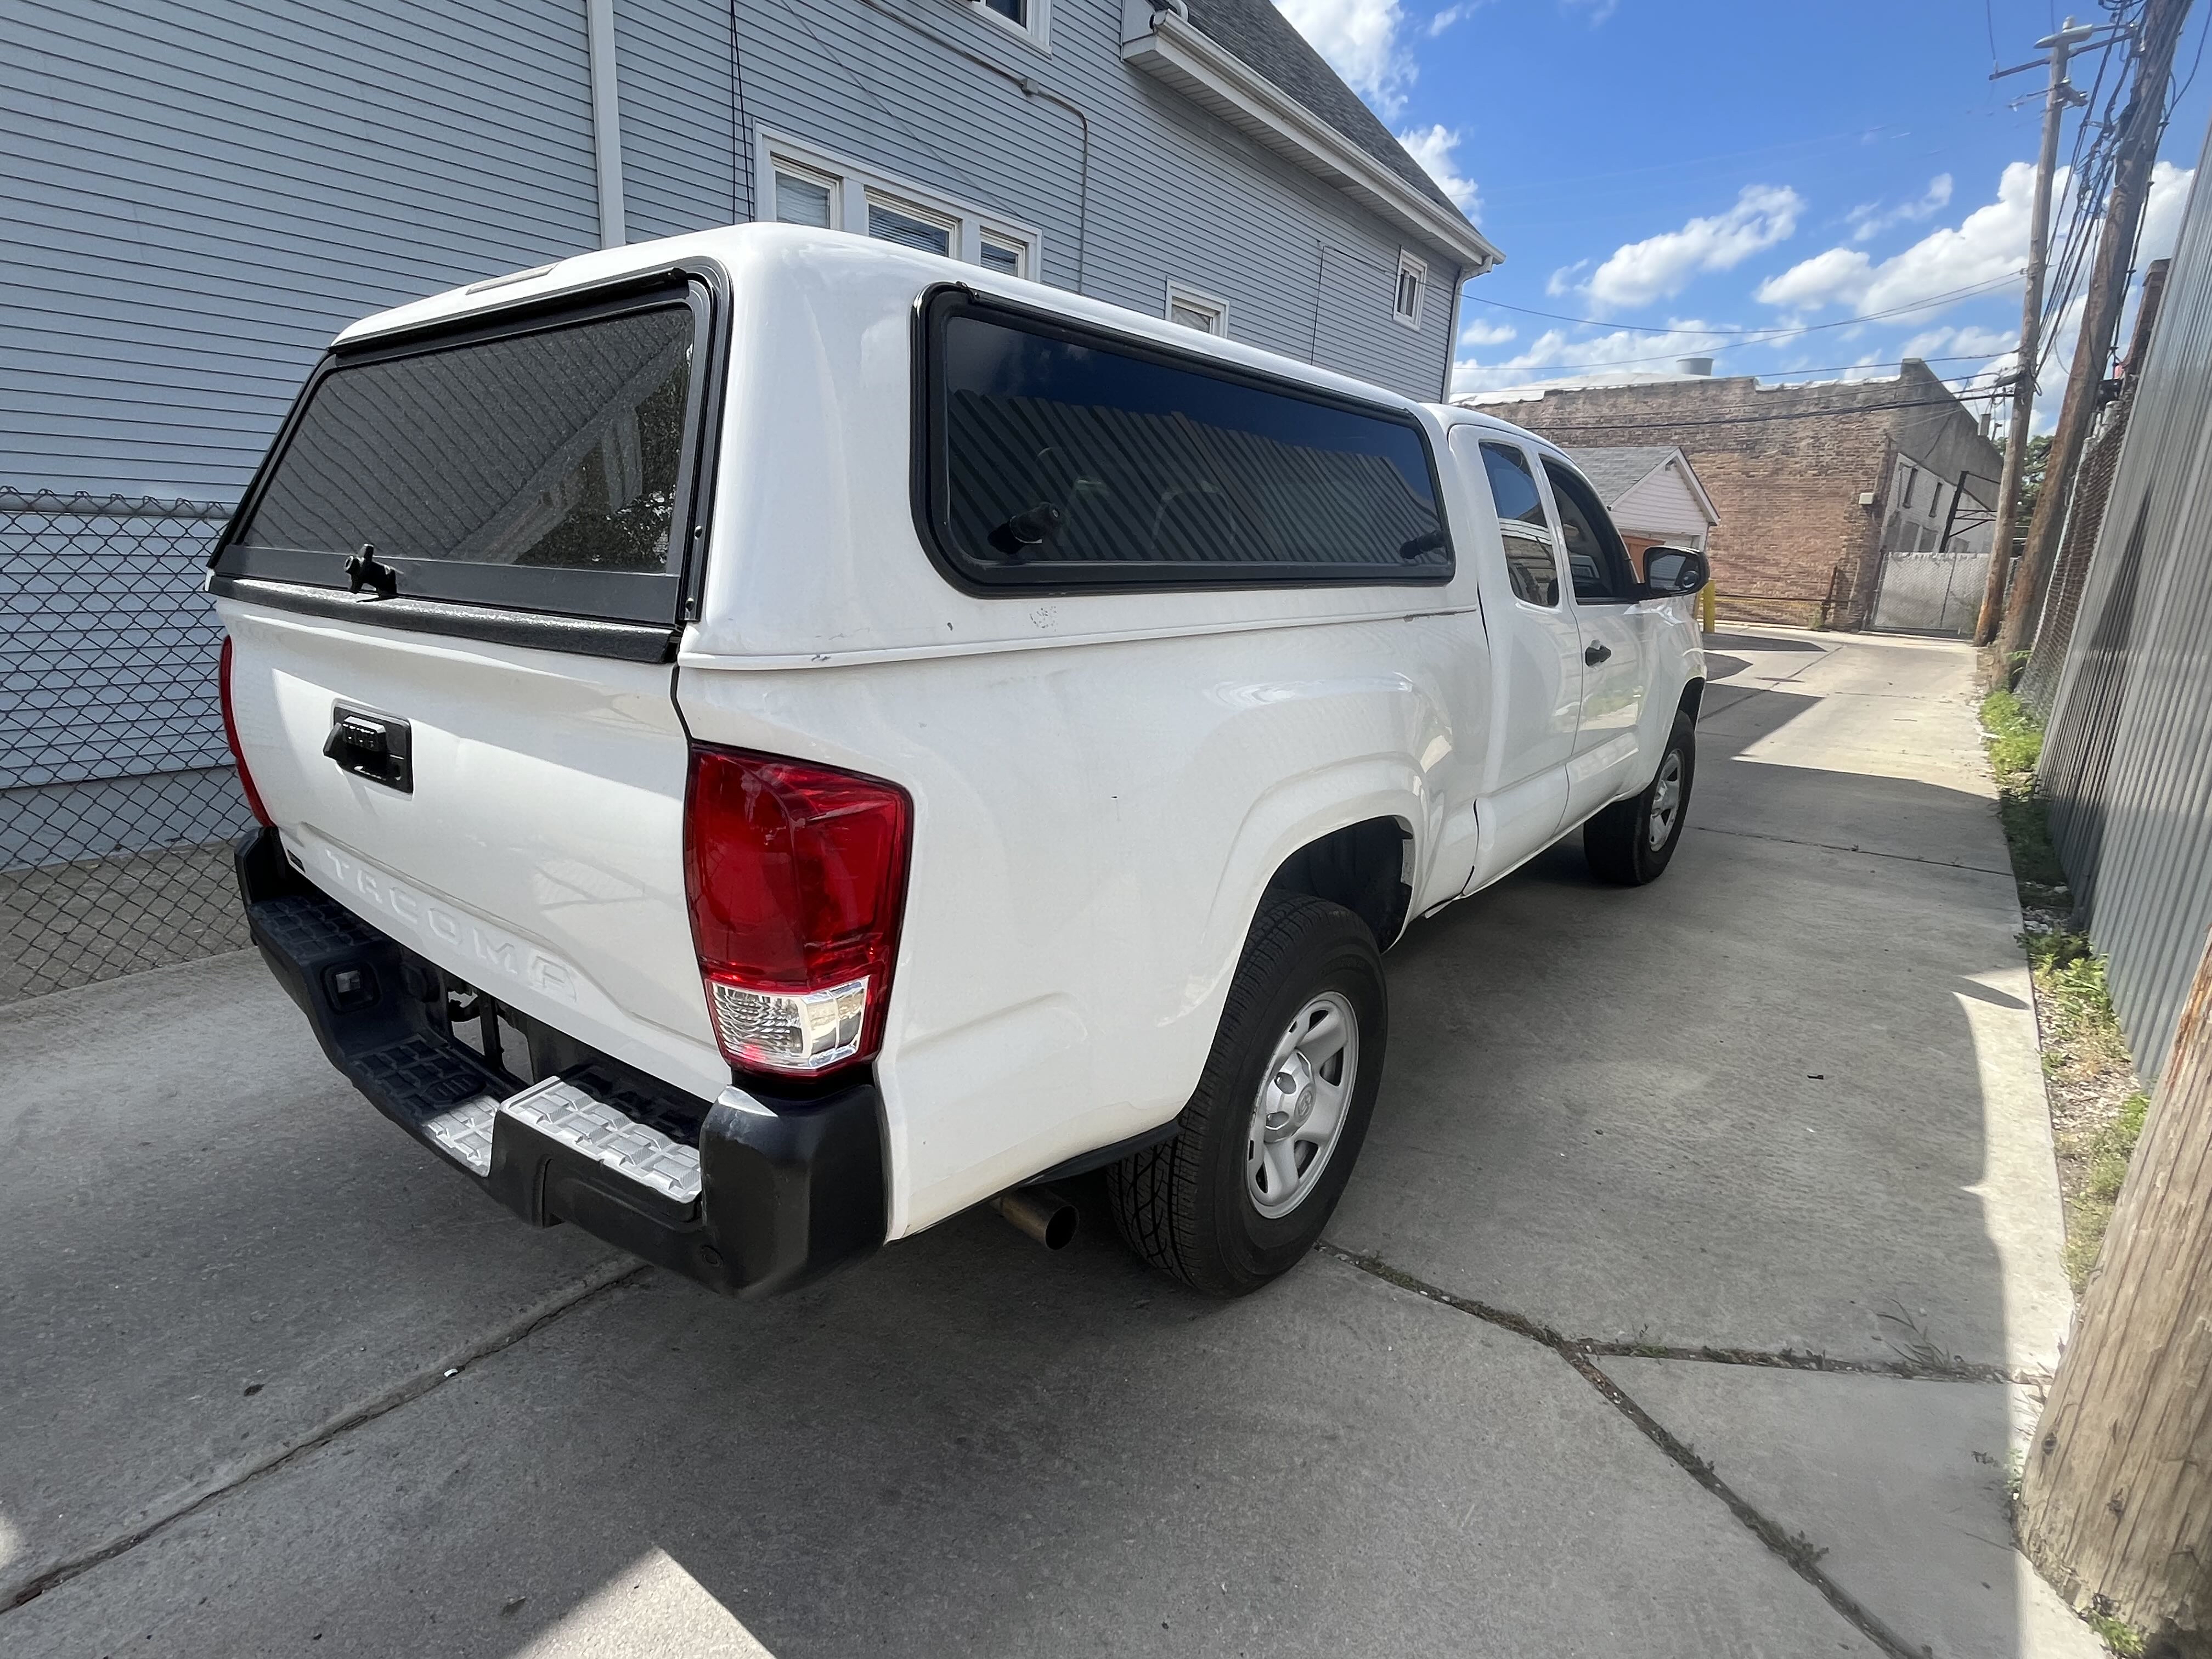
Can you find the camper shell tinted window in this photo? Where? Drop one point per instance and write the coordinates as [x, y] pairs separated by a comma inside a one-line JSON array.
[[544, 466], [1059, 456]]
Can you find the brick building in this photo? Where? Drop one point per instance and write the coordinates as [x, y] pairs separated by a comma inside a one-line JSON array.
[[1816, 487]]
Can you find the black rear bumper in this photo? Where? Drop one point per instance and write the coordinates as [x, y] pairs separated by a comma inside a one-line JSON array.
[[789, 1188]]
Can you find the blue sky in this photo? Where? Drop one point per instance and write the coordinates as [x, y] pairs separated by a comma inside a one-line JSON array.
[[1688, 164]]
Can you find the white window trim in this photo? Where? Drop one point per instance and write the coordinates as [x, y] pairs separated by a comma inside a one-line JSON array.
[[1181, 293], [1420, 268], [856, 184], [1037, 32]]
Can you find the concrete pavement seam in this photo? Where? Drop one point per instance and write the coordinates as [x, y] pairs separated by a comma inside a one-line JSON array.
[[1785, 1360], [608, 1276], [1797, 1550], [1867, 852]]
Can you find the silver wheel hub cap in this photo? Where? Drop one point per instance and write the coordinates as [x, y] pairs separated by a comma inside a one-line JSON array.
[[1303, 1097], [1666, 800]]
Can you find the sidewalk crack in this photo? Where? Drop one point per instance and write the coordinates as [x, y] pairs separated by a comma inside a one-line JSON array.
[[1798, 1551], [1866, 851], [609, 1276]]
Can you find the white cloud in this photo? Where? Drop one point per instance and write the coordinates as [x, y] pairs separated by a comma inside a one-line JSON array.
[[1987, 245], [1838, 273], [1480, 333], [1869, 221], [2161, 223], [1551, 355], [1451, 14], [1599, 11], [1359, 39], [1640, 272], [1433, 147]]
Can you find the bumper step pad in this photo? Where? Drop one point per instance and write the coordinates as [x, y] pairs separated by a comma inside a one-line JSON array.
[[600, 1132], [563, 1112], [464, 1133]]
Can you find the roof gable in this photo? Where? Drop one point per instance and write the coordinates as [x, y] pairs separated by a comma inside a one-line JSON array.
[[1255, 31], [1646, 473]]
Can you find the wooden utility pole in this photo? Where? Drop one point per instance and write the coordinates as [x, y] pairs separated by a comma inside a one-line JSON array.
[[2056, 102], [2137, 146], [2115, 1496]]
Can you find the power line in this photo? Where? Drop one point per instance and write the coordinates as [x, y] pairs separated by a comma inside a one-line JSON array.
[[1760, 333]]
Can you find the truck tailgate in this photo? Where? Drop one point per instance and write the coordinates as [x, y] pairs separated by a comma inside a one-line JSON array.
[[538, 854]]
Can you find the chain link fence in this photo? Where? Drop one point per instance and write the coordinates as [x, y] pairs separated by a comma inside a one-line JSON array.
[[118, 801]]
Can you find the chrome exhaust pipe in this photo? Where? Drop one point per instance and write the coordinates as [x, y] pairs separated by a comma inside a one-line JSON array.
[[1041, 1212]]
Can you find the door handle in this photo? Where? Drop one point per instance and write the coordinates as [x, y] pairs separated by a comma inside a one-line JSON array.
[[373, 746], [1596, 652]]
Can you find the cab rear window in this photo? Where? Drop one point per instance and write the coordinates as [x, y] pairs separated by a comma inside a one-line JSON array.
[[543, 468]]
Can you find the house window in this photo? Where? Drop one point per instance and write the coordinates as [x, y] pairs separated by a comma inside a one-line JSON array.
[[808, 186], [911, 227], [1907, 476], [1192, 309], [1025, 17], [1412, 285], [805, 198]]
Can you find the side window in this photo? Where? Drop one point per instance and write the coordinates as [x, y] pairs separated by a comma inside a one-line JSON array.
[[1061, 456], [1529, 563], [1413, 286], [1595, 558]]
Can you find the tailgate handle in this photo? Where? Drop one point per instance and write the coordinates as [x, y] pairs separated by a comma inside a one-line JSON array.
[[373, 747]]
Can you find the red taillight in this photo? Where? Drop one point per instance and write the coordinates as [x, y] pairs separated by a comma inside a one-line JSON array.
[[796, 876], [230, 736]]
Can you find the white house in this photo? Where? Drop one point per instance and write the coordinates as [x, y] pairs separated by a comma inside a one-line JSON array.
[[1653, 494]]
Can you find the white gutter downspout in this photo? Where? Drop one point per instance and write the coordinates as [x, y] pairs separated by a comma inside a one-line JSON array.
[[607, 121], [1451, 330]]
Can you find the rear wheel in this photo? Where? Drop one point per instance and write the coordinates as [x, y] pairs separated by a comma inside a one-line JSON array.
[[1633, 841], [1269, 1140]]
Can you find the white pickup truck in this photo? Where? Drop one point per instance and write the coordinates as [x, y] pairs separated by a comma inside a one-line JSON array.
[[768, 739]]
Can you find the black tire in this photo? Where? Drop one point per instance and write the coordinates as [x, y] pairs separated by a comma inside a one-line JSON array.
[[1184, 1205], [1618, 842]]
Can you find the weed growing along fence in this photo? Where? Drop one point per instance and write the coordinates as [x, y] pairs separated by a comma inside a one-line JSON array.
[[2096, 1104]]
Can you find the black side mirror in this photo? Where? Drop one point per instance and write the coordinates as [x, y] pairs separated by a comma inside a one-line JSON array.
[[1669, 572]]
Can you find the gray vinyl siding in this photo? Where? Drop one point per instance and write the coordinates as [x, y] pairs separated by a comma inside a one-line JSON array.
[[187, 226], [197, 197], [681, 141], [2127, 758]]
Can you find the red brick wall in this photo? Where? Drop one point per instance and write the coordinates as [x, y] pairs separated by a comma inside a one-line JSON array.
[[1785, 466]]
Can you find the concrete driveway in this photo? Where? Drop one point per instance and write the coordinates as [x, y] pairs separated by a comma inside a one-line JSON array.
[[1694, 1279]]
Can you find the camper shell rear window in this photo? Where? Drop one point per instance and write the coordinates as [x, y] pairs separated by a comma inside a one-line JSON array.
[[1053, 455], [542, 463]]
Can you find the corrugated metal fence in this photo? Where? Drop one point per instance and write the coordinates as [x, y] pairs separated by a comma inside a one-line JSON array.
[[2127, 758], [117, 797]]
